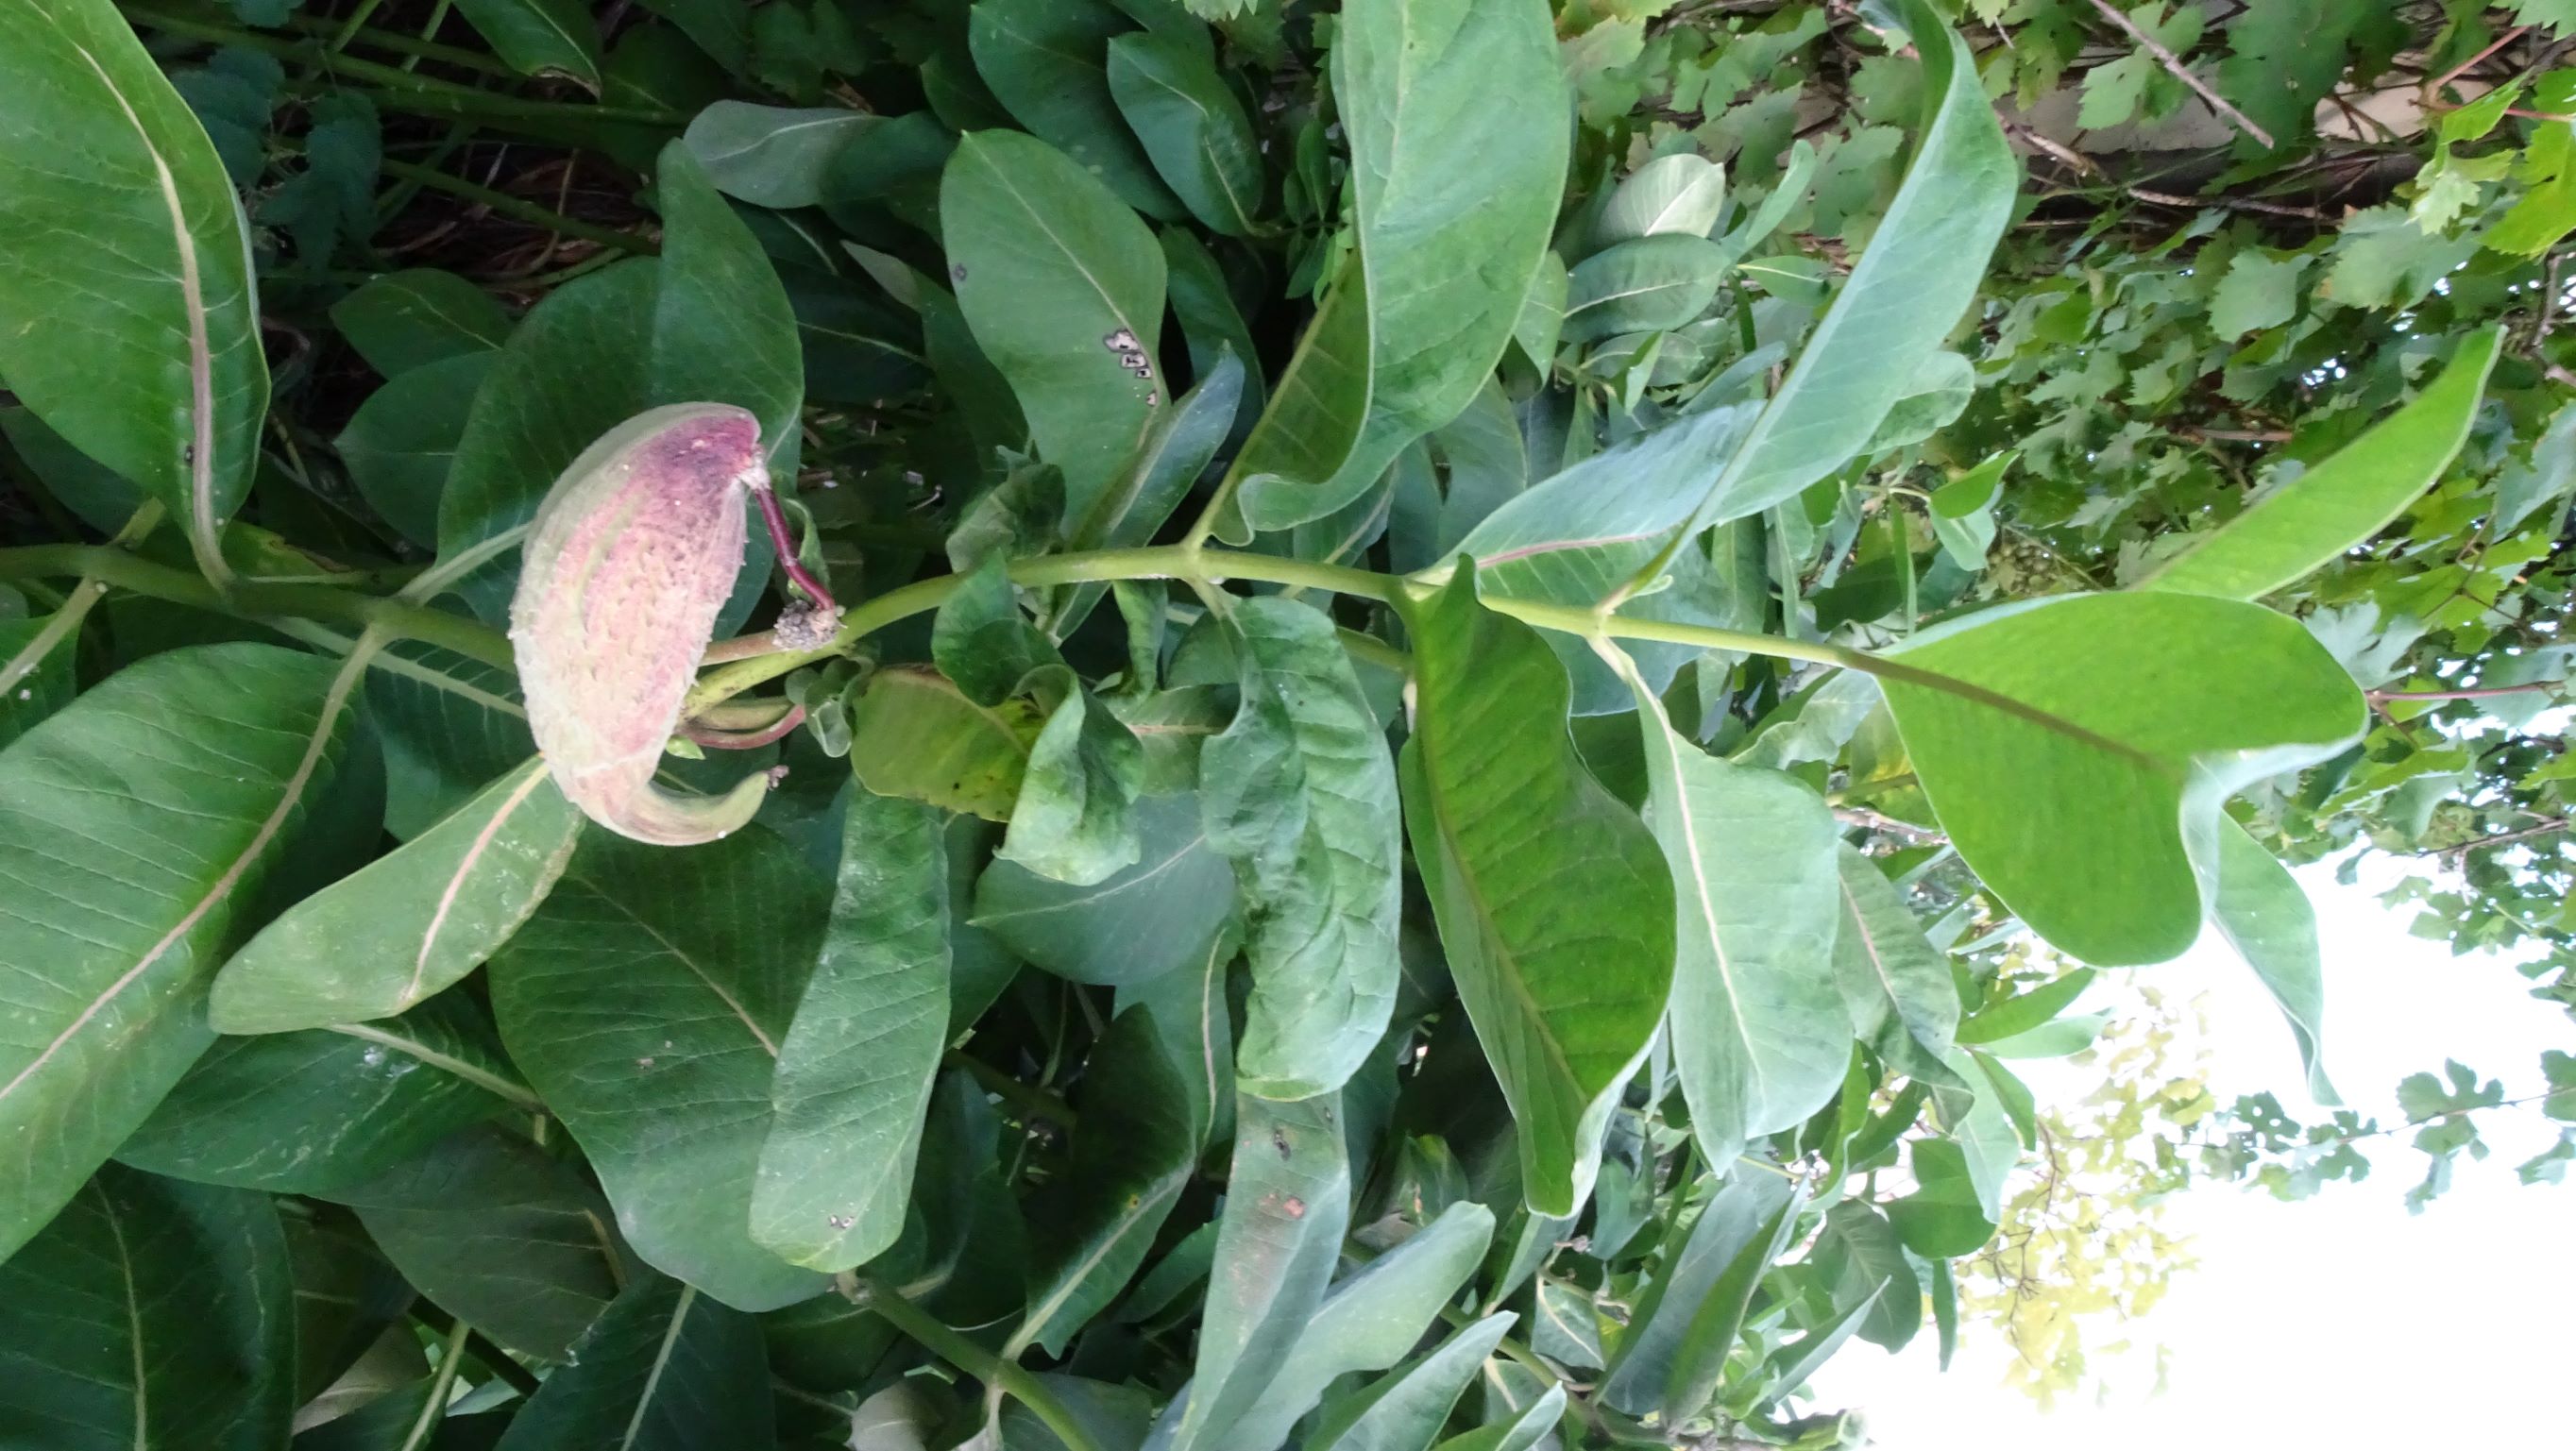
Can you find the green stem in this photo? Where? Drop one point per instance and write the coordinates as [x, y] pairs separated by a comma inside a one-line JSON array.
[[932, 1334], [518, 207], [437, 18], [1033, 1101], [1211, 566], [451, 1357], [253, 601]]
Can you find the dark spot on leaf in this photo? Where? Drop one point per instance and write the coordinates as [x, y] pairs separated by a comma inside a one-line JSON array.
[[1279, 1141]]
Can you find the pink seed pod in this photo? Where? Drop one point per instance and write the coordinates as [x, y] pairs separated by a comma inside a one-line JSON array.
[[630, 558]]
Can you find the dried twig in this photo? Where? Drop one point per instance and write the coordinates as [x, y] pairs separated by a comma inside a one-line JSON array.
[[2173, 63]]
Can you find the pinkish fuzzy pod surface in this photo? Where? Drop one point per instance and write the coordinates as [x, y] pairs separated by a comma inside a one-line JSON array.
[[630, 558]]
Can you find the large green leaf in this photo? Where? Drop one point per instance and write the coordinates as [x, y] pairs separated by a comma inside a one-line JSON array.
[[2265, 915], [408, 924], [499, 1234], [1047, 61], [1136, 925], [1455, 112], [1196, 1032], [706, 322], [1075, 819], [1759, 1035], [1859, 1258], [1369, 1320], [1575, 537], [1405, 1411], [646, 1000], [855, 1071], [1131, 1159], [1552, 897], [167, 384], [318, 1111], [1896, 987], [138, 818], [1166, 84], [151, 1315], [1904, 295], [666, 1369], [1645, 284], [2309, 522], [1299, 791], [2076, 750], [1287, 1206], [1063, 286]]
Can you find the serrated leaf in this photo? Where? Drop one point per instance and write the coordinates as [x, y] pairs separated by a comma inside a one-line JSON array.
[[404, 927], [1553, 898], [149, 808], [855, 1070], [151, 1315], [1300, 793], [646, 1000]]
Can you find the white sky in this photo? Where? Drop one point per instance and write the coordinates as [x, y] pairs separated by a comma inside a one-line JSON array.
[[2338, 1321]]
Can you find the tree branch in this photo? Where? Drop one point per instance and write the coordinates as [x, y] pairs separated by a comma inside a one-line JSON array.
[[2173, 63]]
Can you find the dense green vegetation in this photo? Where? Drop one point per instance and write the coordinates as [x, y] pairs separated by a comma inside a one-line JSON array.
[[1101, 723]]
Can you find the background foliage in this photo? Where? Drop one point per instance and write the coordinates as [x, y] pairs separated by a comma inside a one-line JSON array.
[[1108, 1064]]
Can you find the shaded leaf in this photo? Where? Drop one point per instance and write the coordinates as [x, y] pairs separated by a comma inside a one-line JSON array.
[[1896, 987], [1191, 125], [150, 1315], [1135, 925], [2265, 915], [1300, 792], [419, 316], [667, 1368], [773, 156], [646, 1001], [319, 1111], [1047, 61], [1553, 898]]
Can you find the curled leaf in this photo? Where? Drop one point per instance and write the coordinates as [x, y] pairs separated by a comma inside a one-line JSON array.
[[630, 558]]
